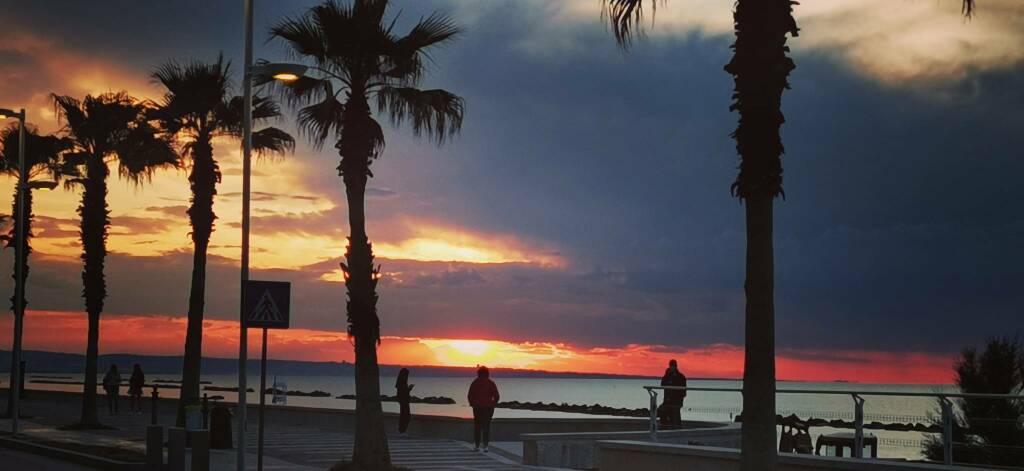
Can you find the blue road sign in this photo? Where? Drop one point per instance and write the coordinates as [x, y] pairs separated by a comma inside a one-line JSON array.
[[267, 303]]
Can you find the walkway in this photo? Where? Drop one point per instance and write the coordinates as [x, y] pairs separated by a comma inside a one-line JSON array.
[[289, 445], [323, 448]]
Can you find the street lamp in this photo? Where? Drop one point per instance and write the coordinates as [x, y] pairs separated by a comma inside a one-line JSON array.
[[19, 268], [42, 185], [261, 73]]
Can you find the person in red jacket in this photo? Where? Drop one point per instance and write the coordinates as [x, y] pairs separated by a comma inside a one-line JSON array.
[[483, 396]]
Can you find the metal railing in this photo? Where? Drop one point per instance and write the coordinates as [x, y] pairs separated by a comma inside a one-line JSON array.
[[946, 406]]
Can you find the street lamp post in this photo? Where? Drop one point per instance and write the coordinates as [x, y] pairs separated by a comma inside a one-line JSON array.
[[19, 268], [266, 72], [243, 341]]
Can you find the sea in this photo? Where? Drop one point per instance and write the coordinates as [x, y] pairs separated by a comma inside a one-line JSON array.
[[622, 393]]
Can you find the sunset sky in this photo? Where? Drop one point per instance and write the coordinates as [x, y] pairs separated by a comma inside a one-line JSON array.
[[582, 221]]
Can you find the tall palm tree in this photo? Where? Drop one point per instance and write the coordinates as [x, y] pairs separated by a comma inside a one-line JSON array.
[[103, 129], [760, 67], [197, 108], [42, 157], [358, 56]]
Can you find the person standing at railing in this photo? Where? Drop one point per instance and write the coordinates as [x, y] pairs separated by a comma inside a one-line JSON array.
[[135, 384], [673, 403], [112, 385]]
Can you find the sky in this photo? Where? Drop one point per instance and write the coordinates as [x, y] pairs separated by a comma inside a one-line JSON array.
[[582, 219]]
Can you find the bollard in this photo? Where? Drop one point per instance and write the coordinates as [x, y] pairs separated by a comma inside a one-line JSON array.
[[155, 446], [200, 450], [176, 449], [153, 406]]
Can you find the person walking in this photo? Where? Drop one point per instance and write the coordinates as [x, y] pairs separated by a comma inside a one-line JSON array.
[[112, 385], [135, 384], [673, 402], [483, 397], [404, 388]]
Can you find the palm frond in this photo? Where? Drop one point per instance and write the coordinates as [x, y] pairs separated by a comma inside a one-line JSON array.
[[968, 8], [317, 121], [305, 37], [436, 113], [42, 152], [404, 59], [143, 151], [195, 91], [68, 110], [433, 30], [272, 141], [625, 17]]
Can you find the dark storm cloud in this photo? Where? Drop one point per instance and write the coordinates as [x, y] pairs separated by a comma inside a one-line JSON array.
[[900, 229]]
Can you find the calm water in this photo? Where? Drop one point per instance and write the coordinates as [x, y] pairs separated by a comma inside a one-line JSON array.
[[714, 406]]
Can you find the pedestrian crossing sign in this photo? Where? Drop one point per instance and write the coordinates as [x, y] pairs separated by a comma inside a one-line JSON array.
[[267, 303]]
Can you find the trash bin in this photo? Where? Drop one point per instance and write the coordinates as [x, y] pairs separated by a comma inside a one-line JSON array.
[[220, 428]]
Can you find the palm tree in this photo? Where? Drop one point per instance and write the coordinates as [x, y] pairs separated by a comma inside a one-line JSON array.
[[760, 67], [356, 53], [42, 157], [102, 129], [197, 108]]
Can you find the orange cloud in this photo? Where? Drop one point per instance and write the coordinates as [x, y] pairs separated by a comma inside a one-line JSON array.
[[162, 335]]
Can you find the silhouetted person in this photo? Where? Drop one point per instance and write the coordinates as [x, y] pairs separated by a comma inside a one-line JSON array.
[[483, 396], [112, 385], [673, 402], [404, 388], [135, 384]]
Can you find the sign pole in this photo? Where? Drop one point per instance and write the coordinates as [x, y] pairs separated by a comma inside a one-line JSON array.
[[265, 305], [263, 401]]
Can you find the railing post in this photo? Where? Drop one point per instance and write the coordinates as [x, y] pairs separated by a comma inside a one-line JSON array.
[[858, 423], [654, 414], [947, 430], [153, 406]]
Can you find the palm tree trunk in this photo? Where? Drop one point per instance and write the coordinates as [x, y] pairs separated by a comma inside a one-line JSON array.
[[95, 223], [203, 180], [759, 433], [761, 69], [370, 449], [15, 230]]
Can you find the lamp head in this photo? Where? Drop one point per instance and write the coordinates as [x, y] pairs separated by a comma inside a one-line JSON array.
[[284, 72], [42, 184], [6, 113]]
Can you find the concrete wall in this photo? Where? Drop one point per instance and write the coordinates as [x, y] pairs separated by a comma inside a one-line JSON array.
[[344, 419], [579, 450], [502, 429], [634, 455]]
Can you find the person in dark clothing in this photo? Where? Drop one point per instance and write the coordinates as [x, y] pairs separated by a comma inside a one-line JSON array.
[[483, 397], [112, 385], [673, 402], [135, 384], [404, 388]]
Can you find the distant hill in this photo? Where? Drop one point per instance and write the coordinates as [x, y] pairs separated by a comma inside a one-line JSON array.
[[38, 362]]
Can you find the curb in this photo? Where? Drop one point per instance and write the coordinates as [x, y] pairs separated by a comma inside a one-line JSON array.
[[72, 456]]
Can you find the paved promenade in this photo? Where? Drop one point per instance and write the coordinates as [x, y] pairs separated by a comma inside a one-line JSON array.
[[320, 449], [287, 446]]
